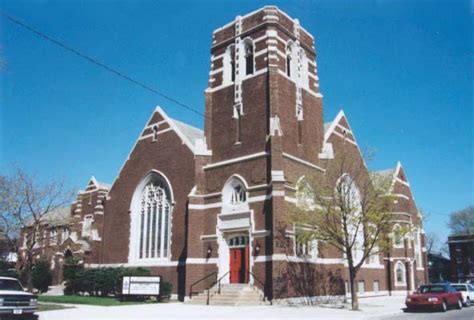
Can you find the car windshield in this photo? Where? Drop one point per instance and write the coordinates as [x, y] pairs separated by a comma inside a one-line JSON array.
[[9, 284], [460, 287], [431, 289]]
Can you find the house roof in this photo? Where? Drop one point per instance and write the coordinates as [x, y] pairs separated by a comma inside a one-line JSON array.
[[57, 217], [190, 132], [438, 255], [327, 125], [383, 178], [386, 172], [98, 184]]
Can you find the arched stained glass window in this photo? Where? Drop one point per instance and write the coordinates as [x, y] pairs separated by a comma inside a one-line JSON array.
[[154, 220]]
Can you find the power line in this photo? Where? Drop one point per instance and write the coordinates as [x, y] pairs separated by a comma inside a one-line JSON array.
[[97, 63]]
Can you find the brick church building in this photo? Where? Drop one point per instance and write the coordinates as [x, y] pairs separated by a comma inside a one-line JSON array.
[[189, 203]]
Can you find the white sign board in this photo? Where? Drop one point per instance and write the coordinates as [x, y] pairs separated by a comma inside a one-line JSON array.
[[146, 286]]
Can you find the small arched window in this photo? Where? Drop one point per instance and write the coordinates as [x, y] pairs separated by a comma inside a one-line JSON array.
[[155, 133], [289, 57], [304, 194], [229, 65], [248, 54], [400, 276], [234, 195], [291, 60], [397, 237]]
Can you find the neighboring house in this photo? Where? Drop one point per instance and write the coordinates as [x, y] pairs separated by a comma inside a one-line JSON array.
[[189, 204], [12, 257], [439, 267], [461, 251], [69, 231]]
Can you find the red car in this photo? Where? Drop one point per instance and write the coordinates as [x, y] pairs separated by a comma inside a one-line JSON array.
[[440, 296]]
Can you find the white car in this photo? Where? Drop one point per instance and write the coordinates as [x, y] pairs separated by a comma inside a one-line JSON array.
[[467, 291], [14, 300]]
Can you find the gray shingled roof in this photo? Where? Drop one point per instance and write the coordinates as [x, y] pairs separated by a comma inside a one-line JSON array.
[[326, 126], [192, 133], [103, 185], [56, 217], [382, 178], [385, 172]]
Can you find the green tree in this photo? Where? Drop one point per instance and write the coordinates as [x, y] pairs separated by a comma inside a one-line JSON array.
[[347, 209]]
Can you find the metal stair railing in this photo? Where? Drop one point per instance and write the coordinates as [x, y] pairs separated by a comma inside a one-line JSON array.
[[218, 281], [199, 281]]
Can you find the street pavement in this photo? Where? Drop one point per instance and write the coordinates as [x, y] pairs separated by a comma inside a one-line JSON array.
[[464, 314], [380, 308]]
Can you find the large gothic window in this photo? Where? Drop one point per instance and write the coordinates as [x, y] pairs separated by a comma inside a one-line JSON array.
[[348, 194], [152, 216]]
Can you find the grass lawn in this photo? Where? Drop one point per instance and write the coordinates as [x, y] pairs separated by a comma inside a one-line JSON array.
[[96, 301], [50, 307]]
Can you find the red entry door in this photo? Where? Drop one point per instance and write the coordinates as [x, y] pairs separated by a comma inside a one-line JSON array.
[[239, 262]]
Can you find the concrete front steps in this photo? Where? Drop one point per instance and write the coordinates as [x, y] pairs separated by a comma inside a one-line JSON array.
[[57, 290], [231, 295]]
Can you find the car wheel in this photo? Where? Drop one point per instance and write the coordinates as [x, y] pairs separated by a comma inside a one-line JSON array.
[[459, 305], [444, 306], [468, 302]]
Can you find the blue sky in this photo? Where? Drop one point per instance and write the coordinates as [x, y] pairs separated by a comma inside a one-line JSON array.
[[401, 70]]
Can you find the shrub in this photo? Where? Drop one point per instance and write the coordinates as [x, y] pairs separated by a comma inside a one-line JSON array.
[[41, 276], [165, 290], [97, 282], [71, 271]]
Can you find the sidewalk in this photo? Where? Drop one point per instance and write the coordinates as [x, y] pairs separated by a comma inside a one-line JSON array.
[[371, 308]]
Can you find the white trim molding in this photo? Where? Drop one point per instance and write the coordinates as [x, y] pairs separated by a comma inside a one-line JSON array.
[[236, 160], [301, 161]]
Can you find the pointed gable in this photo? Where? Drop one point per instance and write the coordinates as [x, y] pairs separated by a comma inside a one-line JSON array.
[[399, 184], [339, 127], [159, 124], [93, 185]]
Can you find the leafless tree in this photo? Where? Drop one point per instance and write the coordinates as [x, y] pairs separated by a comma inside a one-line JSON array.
[[348, 209], [432, 242], [24, 201], [462, 222]]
